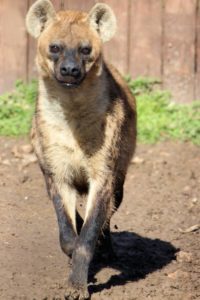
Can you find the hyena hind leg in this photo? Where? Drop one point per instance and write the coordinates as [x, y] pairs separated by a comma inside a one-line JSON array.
[[79, 222], [104, 247]]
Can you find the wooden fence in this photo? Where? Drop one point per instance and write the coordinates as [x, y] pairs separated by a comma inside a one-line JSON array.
[[157, 38]]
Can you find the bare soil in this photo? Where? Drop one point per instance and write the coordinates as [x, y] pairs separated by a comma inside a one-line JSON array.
[[158, 250]]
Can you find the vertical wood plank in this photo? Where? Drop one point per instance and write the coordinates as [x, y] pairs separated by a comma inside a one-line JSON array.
[[32, 71], [116, 50], [83, 5], [145, 53], [13, 42], [179, 49], [197, 53]]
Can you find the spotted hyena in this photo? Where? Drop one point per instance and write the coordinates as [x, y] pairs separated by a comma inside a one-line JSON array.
[[84, 128]]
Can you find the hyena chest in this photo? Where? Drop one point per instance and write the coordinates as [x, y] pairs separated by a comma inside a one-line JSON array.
[[74, 148], [64, 156]]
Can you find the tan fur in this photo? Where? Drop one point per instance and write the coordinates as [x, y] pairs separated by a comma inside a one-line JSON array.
[[84, 136], [39, 16], [106, 25]]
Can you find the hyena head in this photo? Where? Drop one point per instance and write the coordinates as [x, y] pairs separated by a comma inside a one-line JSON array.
[[69, 42]]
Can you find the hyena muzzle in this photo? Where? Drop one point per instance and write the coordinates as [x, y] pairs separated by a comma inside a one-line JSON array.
[[84, 128]]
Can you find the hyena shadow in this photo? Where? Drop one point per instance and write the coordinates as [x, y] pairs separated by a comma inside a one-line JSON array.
[[136, 257]]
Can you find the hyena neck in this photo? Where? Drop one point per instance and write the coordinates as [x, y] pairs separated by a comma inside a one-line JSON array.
[[91, 97]]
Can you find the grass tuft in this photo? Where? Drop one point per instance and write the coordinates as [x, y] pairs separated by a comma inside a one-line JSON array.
[[159, 118], [16, 109]]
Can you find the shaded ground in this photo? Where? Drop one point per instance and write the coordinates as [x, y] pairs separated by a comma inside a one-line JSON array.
[[156, 260]]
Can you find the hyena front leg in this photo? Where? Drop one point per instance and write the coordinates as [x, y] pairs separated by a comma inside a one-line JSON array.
[[64, 200], [67, 232], [97, 210]]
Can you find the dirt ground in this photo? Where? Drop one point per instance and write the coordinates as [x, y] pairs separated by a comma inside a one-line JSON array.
[[155, 232]]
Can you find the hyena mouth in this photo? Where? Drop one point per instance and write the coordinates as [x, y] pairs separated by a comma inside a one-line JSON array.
[[70, 84]]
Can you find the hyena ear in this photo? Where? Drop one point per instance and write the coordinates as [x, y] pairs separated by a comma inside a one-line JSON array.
[[103, 20], [38, 17]]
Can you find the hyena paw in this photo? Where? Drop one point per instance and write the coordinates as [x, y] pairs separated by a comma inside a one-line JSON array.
[[76, 292]]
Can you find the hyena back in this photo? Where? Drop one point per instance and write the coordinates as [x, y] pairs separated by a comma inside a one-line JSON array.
[[84, 128]]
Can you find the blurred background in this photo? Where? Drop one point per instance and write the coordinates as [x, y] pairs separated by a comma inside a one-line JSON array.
[[156, 38]]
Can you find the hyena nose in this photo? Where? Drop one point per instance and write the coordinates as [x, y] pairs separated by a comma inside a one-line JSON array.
[[70, 69]]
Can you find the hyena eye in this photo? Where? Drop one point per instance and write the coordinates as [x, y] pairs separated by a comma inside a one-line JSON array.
[[54, 49], [86, 50]]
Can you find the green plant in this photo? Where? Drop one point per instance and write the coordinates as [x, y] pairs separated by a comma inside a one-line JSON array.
[[142, 84], [159, 118], [16, 109]]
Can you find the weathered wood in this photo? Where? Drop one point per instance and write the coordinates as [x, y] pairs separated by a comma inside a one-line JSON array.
[[116, 50], [197, 54], [179, 49], [145, 50], [31, 52], [83, 5], [13, 58]]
